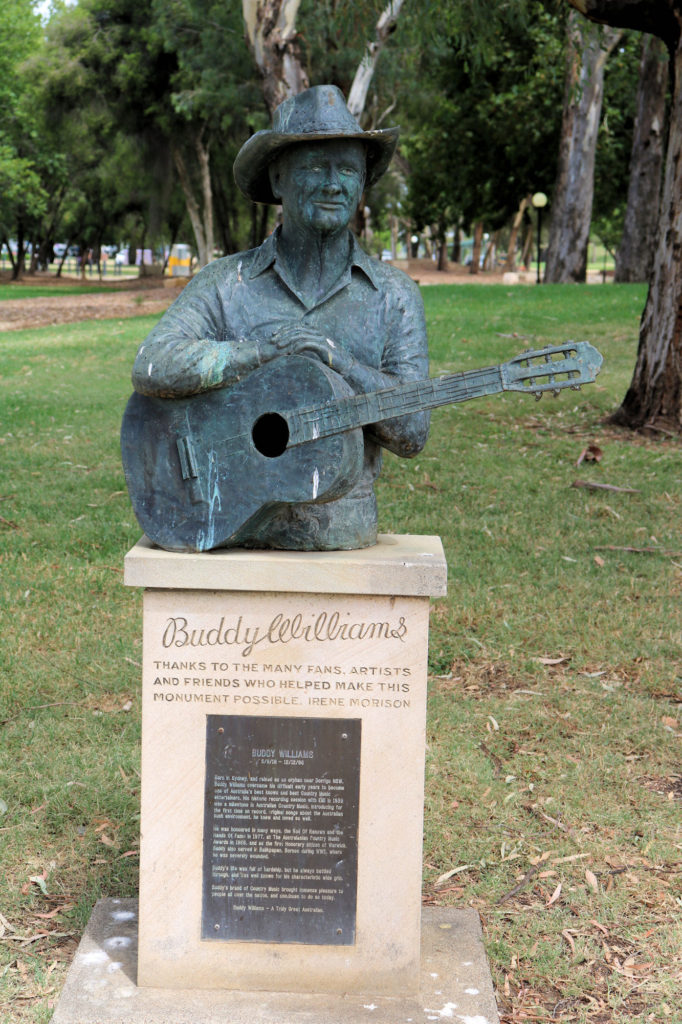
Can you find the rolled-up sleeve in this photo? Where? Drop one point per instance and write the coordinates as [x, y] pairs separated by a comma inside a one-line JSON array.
[[191, 349]]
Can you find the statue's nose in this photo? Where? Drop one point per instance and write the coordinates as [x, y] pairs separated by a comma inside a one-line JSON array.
[[333, 181]]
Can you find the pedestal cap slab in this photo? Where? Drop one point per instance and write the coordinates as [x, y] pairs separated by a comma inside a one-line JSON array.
[[410, 565]]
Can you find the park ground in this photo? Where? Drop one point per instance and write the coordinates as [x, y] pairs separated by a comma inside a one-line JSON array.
[[115, 297], [553, 776]]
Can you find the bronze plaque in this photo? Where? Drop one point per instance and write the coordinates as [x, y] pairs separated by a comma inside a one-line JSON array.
[[281, 829]]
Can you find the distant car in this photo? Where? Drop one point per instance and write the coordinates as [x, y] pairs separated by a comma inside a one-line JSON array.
[[74, 250]]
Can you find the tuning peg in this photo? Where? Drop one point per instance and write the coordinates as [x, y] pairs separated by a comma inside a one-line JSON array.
[[538, 395], [555, 392], [575, 387]]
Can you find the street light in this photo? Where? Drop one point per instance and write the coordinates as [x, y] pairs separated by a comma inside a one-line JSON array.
[[539, 201]]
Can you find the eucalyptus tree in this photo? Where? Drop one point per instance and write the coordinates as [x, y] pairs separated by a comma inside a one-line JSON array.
[[588, 49], [654, 398]]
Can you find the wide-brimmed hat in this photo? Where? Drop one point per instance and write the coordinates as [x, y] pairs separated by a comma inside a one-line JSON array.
[[315, 115]]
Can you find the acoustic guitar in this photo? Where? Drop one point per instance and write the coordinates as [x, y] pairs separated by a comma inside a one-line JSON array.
[[205, 471]]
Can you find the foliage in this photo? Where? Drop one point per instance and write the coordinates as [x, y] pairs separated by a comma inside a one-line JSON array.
[[486, 137], [615, 140], [22, 196]]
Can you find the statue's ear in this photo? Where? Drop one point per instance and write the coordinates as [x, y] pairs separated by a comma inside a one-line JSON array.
[[274, 175]]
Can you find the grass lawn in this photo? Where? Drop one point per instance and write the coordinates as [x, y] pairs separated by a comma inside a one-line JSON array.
[[553, 774], [39, 291]]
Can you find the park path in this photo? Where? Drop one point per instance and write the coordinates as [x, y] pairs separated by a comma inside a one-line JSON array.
[[141, 298], [44, 311]]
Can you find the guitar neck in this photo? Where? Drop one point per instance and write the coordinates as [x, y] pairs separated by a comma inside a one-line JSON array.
[[344, 414]]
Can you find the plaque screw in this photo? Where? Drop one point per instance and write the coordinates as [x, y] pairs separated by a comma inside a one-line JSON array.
[[221, 731], [216, 927], [339, 931], [344, 735]]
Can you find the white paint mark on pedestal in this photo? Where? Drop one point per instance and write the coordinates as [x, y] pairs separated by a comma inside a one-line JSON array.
[[123, 915], [447, 1011], [97, 956]]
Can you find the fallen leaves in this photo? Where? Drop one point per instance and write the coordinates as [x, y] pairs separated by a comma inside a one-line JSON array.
[[554, 897], [591, 880], [590, 453]]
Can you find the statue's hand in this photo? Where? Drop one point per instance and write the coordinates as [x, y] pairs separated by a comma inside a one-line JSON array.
[[301, 340]]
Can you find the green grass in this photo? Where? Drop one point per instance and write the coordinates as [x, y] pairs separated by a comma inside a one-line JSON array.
[[555, 660], [38, 291]]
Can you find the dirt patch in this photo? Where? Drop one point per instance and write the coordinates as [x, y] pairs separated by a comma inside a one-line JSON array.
[[134, 298]]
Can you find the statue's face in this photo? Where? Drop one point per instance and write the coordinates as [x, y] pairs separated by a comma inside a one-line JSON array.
[[320, 184]]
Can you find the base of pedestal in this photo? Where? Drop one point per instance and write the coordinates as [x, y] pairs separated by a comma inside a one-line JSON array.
[[101, 985]]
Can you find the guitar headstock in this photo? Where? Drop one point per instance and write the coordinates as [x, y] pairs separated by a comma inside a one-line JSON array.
[[552, 368]]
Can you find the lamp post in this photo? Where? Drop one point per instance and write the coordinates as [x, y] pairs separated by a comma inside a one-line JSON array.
[[539, 201]]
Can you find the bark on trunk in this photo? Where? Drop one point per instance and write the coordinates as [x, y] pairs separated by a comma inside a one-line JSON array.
[[634, 259], [588, 50], [271, 34], [385, 26], [654, 398]]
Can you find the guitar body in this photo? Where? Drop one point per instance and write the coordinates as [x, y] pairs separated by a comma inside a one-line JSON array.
[[207, 470]]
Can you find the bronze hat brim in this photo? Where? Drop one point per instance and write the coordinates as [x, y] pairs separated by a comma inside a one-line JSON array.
[[258, 152]]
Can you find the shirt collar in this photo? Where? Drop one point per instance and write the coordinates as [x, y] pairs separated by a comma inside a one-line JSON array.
[[266, 255]]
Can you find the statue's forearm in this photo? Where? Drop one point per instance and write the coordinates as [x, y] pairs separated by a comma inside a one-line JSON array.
[[170, 367]]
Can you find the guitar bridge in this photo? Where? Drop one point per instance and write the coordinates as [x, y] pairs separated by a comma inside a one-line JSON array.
[[189, 471]]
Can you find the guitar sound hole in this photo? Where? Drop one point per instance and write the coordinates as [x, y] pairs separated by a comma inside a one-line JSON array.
[[270, 435]]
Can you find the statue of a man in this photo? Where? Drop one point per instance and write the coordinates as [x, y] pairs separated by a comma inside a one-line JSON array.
[[309, 289]]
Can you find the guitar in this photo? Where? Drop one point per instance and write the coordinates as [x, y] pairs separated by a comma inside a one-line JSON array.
[[204, 471]]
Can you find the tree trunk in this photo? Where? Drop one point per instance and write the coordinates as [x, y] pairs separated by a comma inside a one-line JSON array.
[[9, 253], [527, 251], [272, 38], [476, 250], [589, 47], [491, 252], [385, 26], [516, 224], [635, 255], [456, 253], [654, 398], [200, 214], [19, 266]]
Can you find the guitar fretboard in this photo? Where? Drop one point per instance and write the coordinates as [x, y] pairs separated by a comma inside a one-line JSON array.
[[344, 414]]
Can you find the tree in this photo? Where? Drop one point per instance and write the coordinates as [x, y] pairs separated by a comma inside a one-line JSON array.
[[272, 37], [636, 251], [654, 398], [588, 49], [23, 199], [484, 135]]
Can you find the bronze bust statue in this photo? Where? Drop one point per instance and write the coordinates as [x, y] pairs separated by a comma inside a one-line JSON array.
[[273, 341]]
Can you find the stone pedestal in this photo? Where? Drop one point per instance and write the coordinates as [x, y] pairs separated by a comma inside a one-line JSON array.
[[255, 665]]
